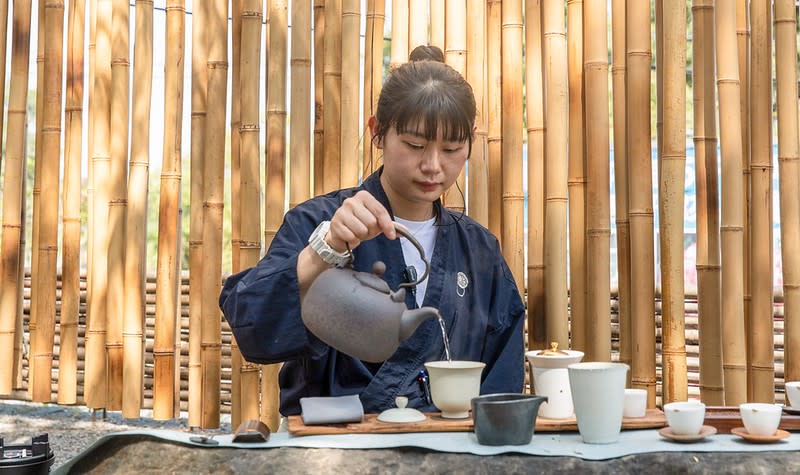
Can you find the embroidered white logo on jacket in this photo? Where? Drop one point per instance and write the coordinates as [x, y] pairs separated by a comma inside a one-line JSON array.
[[462, 283]]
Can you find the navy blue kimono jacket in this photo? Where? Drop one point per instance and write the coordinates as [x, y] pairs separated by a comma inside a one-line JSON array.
[[484, 318]]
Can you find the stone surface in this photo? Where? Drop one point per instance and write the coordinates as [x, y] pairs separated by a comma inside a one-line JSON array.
[[141, 454]]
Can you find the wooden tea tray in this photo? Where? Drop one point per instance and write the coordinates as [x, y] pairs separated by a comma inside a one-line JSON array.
[[435, 423], [725, 418]]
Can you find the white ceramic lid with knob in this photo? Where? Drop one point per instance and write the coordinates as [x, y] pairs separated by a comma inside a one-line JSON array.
[[401, 413]]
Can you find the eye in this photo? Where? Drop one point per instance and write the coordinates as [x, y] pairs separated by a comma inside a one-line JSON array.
[[414, 146], [453, 149]]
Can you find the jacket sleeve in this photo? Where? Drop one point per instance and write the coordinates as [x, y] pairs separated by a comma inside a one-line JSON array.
[[262, 304], [504, 348]]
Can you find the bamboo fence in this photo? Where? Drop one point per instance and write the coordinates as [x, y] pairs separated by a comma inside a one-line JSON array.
[[117, 340]]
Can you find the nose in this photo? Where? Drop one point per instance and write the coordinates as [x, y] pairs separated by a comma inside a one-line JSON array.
[[431, 160]]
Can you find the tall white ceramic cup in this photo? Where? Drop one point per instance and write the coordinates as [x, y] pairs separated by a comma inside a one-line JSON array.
[[598, 394]]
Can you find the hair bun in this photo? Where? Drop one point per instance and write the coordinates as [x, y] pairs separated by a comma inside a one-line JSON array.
[[426, 53]]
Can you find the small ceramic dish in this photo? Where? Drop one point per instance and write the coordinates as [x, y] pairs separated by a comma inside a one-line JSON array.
[[705, 431], [795, 411], [760, 439]]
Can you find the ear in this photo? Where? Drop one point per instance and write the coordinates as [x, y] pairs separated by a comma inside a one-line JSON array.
[[373, 129]]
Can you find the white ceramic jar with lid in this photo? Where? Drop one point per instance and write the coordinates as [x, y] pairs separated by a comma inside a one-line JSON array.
[[550, 378]]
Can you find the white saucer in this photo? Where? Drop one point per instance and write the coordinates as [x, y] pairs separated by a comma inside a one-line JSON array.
[[667, 433]]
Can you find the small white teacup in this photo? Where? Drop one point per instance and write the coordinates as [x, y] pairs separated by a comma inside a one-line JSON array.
[[635, 404], [793, 393], [685, 417], [453, 385], [760, 418]]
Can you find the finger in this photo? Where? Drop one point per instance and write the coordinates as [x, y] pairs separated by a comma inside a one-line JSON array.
[[383, 219]]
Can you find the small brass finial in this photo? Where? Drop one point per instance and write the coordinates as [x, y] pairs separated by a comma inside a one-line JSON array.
[[553, 350]]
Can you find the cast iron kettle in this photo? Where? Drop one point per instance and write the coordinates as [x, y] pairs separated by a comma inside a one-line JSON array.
[[358, 314]]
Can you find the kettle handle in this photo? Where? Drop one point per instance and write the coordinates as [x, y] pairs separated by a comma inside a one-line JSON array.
[[401, 229]]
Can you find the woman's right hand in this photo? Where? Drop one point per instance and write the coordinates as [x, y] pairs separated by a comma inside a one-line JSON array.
[[360, 218]]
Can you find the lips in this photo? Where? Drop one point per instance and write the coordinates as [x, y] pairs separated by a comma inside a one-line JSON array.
[[428, 186]]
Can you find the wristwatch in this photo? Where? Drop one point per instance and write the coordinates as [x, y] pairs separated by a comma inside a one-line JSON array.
[[324, 250]]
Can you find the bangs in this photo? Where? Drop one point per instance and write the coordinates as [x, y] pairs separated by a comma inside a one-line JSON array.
[[430, 112]]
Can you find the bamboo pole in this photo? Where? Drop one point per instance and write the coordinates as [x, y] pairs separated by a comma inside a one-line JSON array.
[[37, 186], [400, 34], [419, 19], [759, 330], [235, 190], [640, 199], [235, 140], [598, 207], [332, 85], [494, 139], [556, 134], [621, 185], [512, 139], [117, 204], [300, 98], [789, 178], [96, 382], [213, 187], [373, 74], [478, 205], [11, 263], [733, 338], [3, 56], [437, 24], [71, 216], [169, 225], [455, 52], [744, 46], [351, 19], [671, 204], [274, 196], [319, 62], [136, 224], [42, 343], [536, 169], [576, 180], [90, 148], [707, 184], [199, 93], [250, 188]]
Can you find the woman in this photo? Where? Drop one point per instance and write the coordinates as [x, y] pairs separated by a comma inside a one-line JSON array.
[[424, 126]]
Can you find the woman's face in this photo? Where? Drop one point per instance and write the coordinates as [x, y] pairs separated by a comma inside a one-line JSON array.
[[417, 171]]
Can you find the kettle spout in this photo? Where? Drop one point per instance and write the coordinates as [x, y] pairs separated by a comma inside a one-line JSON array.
[[412, 318]]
